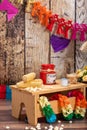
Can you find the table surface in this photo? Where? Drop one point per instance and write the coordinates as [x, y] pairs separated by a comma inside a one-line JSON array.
[[45, 89]]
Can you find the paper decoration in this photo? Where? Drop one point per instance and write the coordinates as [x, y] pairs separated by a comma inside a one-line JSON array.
[[63, 26], [41, 13], [80, 105], [59, 43], [66, 108], [9, 8], [80, 29], [47, 109], [47, 19], [52, 20]]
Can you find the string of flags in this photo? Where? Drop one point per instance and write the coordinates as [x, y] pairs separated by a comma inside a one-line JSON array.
[[65, 30], [11, 10]]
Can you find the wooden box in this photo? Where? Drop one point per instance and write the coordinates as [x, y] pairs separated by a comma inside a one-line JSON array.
[[56, 107], [29, 99]]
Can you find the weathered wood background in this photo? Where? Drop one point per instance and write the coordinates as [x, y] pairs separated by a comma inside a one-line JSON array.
[[24, 43], [81, 17]]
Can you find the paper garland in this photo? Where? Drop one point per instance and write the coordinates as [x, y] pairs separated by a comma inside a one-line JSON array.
[[81, 104], [59, 43], [66, 107], [47, 109], [64, 27], [49, 20], [41, 12], [9, 8]]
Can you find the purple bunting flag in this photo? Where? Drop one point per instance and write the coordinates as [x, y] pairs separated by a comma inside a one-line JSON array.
[[59, 43]]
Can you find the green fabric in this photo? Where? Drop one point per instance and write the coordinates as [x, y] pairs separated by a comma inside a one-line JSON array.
[[69, 117], [47, 111], [78, 116]]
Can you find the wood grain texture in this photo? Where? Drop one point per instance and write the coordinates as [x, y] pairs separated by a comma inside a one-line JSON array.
[[37, 43], [6, 119], [24, 42], [81, 17], [2, 47], [64, 60], [15, 48]]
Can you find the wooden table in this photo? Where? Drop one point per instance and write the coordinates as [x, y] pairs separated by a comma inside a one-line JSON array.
[[30, 99]]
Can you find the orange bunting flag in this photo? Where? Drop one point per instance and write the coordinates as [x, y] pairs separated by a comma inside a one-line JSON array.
[[41, 12]]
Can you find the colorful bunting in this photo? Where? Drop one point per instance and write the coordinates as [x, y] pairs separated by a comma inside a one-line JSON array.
[[41, 12], [11, 10], [49, 20], [52, 20], [80, 105], [63, 27], [59, 43], [66, 107], [47, 109], [80, 29]]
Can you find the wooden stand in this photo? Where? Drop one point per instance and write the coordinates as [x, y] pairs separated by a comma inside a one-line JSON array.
[[30, 100]]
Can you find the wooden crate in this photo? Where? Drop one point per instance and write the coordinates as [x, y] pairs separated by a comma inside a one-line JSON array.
[[30, 100], [55, 106]]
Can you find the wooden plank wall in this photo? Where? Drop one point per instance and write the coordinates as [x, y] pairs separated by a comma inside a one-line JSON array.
[[24, 44], [64, 60], [38, 49], [81, 17], [2, 47], [12, 47], [37, 43]]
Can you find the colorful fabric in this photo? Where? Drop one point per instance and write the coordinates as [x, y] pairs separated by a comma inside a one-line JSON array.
[[11, 10], [80, 109], [47, 109], [59, 43], [80, 105], [66, 107], [41, 13], [76, 93]]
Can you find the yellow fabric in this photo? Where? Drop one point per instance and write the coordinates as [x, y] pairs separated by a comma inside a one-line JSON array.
[[43, 101]]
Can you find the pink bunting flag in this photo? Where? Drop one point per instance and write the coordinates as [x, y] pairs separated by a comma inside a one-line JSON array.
[[11, 10], [80, 29]]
